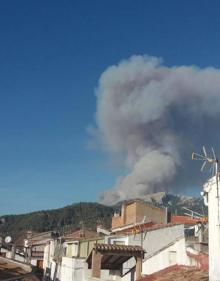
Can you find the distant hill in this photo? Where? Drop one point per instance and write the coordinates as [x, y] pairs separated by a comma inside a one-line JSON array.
[[69, 218], [63, 220]]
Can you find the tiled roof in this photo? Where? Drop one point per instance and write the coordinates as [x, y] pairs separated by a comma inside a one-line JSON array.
[[80, 235], [185, 219], [131, 228], [160, 226], [146, 227], [120, 248], [178, 273], [113, 256]]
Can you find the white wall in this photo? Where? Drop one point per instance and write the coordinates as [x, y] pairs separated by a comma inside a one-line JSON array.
[[52, 267], [16, 257], [121, 239], [212, 194], [131, 276], [71, 269], [72, 248], [34, 262], [106, 275], [46, 262], [174, 254], [3, 250], [48, 254], [157, 239], [157, 244]]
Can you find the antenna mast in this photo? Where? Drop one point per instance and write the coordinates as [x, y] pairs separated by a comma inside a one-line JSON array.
[[213, 161], [212, 200], [214, 168]]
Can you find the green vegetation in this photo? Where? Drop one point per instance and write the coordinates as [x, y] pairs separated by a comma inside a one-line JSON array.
[[70, 218], [62, 220]]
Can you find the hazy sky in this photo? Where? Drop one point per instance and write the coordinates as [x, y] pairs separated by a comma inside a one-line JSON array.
[[52, 54]]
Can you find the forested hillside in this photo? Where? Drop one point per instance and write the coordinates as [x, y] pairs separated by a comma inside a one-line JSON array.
[[69, 218], [62, 220]]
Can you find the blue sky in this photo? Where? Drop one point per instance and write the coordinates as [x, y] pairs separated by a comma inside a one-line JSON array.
[[52, 54]]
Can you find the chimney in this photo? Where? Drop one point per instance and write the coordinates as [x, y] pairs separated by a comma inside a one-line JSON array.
[[123, 213]]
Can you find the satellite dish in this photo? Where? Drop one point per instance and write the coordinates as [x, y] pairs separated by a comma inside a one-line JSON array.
[[8, 239]]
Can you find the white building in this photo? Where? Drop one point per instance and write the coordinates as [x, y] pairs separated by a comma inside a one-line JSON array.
[[164, 246], [212, 200]]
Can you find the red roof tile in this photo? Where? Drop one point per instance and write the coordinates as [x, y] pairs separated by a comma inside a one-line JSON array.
[[120, 248], [184, 219], [178, 273]]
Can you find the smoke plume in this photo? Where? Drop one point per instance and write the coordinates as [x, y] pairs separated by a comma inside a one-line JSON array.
[[153, 116]]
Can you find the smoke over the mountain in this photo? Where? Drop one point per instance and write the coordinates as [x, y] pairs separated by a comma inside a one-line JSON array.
[[150, 114]]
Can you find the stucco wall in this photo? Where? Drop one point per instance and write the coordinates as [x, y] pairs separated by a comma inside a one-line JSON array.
[[48, 253], [174, 254], [16, 257], [71, 249], [71, 269], [120, 240], [86, 246], [157, 239], [212, 195]]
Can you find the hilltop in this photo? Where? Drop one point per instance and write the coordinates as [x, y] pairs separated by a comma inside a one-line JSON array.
[[63, 220]]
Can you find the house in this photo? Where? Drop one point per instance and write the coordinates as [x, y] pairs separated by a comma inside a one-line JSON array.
[[140, 243], [123, 256], [138, 211], [34, 246], [65, 256]]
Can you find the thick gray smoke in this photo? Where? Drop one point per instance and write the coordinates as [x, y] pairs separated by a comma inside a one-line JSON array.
[[152, 116]]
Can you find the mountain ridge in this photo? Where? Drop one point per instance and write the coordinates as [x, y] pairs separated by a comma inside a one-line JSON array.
[[89, 214]]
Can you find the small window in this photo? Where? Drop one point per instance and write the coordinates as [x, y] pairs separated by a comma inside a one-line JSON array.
[[118, 242]]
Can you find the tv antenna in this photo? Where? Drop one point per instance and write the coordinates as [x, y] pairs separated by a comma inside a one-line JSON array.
[[213, 161]]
